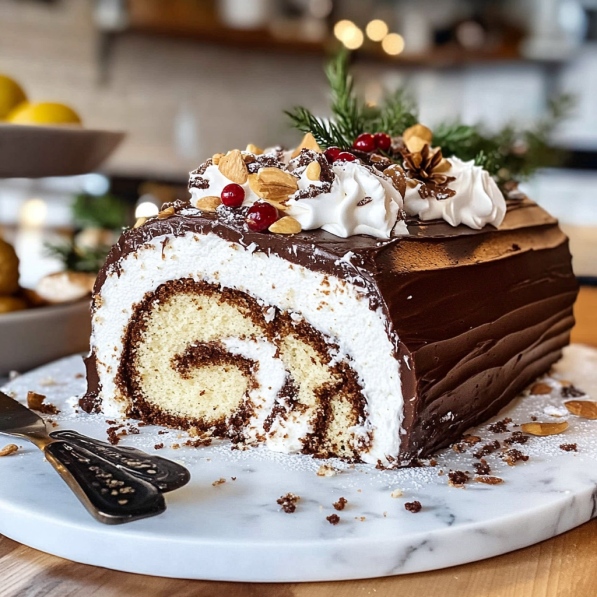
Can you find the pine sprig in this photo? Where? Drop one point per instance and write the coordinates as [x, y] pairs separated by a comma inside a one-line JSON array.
[[397, 113], [509, 154], [346, 107], [326, 133]]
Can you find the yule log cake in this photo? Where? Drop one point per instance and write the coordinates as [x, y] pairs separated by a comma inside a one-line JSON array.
[[331, 303]]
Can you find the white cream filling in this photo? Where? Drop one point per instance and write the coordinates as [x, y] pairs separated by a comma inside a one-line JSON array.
[[329, 304]]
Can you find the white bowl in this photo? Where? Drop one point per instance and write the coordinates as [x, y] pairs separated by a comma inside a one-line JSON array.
[[36, 336]]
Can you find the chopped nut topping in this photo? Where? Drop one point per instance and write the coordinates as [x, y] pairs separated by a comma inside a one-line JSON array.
[[166, 213], [582, 408], [333, 519], [413, 507], [340, 504], [233, 167], [218, 482], [569, 447], [308, 142], [158, 446], [540, 388], [288, 502], [511, 457], [489, 480], [274, 184], [543, 429], [254, 149], [285, 225], [457, 478], [8, 450], [209, 204], [471, 440], [313, 171], [396, 493]]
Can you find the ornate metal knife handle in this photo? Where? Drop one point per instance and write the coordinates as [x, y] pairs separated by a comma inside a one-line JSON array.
[[110, 494], [163, 473]]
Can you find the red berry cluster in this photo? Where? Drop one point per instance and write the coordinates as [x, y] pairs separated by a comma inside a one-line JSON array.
[[368, 142], [335, 154], [260, 215], [364, 142]]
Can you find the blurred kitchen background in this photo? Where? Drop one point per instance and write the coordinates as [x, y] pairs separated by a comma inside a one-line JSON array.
[[188, 78]]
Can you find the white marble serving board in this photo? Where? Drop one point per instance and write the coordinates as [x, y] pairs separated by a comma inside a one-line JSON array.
[[236, 531]]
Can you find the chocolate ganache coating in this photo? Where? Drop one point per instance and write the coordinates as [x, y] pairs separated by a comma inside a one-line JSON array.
[[474, 315]]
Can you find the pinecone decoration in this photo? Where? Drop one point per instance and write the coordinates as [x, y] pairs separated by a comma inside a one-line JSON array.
[[429, 168]]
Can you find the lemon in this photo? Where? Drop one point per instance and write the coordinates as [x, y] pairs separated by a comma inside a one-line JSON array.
[[43, 113], [11, 95]]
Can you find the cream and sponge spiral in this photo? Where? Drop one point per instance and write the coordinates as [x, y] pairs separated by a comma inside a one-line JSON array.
[[198, 331]]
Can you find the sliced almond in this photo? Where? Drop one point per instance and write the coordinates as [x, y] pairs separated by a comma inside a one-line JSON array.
[[415, 144], [139, 222], [254, 149], [313, 171], [254, 183], [279, 205], [274, 184], [582, 408], [543, 429], [565, 382], [216, 157], [166, 213], [285, 225], [489, 480], [8, 450], [233, 167], [540, 388], [418, 130], [308, 142], [208, 204]]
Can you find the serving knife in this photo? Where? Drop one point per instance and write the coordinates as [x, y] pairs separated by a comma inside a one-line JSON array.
[[116, 485]]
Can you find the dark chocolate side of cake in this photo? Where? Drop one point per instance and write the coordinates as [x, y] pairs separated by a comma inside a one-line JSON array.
[[474, 315]]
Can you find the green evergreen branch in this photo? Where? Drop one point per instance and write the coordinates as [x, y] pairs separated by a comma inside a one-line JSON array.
[[326, 133], [345, 105], [397, 113], [507, 154]]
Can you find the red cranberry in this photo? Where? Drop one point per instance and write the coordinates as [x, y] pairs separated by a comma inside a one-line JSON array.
[[364, 142], [233, 195], [383, 141], [346, 156], [261, 216], [331, 154]]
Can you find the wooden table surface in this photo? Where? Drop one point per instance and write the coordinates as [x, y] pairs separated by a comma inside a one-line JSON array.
[[563, 566]]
